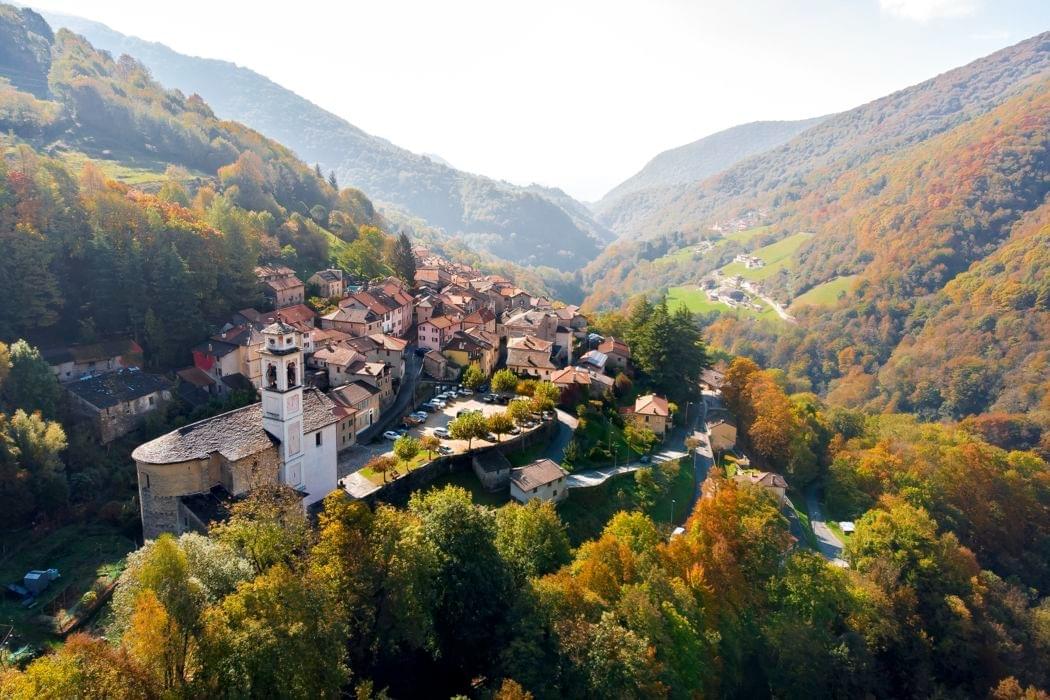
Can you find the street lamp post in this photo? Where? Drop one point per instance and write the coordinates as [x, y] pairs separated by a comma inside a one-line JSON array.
[[672, 512]]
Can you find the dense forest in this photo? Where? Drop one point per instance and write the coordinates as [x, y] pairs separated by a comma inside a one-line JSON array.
[[87, 255], [944, 596]]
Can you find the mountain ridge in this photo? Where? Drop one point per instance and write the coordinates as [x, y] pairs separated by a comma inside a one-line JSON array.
[[512, 222], [700, 159]]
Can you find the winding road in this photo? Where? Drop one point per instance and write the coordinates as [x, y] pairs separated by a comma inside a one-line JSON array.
[[827, 541]]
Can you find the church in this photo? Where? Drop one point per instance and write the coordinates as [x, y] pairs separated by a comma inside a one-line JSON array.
[[187, 477]]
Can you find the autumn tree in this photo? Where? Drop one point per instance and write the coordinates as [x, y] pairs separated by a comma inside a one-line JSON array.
[[531, 539], [430, 443], [499, 424]]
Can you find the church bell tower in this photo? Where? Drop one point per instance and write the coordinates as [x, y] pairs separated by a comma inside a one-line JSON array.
[[282, 397]]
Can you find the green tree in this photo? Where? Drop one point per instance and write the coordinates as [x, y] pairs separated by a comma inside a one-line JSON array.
[[504, 381], [30, 384], [467, 427], [500, 424], [176, 322], [267, 527], [520, 411], [406, 448], [473, 377], [638, 437], [531, 539], [545, 396], [402, 260], [471, 581], [31, 291]]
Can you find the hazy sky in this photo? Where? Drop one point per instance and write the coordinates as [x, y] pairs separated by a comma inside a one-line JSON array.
[[577, 95]]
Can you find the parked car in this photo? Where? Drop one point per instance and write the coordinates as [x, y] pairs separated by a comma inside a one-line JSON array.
[[431, 407], [439, 404], [391, 435], [488, 398], [515, 430], [504, 400], [442, 433], [409, 421], [421, 416], [466, 392], [645, 459], [483, 389], [444, 449]]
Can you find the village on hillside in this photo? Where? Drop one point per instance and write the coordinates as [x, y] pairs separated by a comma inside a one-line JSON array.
[[385, 389]]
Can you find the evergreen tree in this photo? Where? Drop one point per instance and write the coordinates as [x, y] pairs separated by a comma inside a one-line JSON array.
[[31, 295], [30, 384], [176, 322], [402, 260], [332, 181]]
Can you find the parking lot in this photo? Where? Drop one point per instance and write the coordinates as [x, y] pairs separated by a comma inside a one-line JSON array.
[[356, 457]]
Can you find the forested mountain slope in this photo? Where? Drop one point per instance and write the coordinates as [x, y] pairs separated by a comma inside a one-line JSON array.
[[775, 179], [86, 255], [694, 162], [519, 224], [971, 200]]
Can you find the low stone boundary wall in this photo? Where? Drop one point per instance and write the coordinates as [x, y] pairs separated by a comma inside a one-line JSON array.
[[398, 492]]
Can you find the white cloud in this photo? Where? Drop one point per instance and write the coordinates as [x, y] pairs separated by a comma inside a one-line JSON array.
[[926, 10]]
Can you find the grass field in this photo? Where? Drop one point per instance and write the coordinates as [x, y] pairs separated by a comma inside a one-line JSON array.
[[586, 511], [825, 294], [469, 481], [695, 299], [142, 175], [777, 256], [746, 235], [82, 554]]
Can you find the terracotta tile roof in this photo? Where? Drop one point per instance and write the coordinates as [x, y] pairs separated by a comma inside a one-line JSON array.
[[766, 479], [195, 376], [283, 284], [614, 346], [652, 405], [440, 322], [338, 355], [389, 342], [235, 435], [529, 342], [539, 473]]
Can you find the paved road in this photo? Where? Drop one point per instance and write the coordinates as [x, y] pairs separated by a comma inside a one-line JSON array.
[[827, 542], [404, 400], [594, 477], [566, 425]]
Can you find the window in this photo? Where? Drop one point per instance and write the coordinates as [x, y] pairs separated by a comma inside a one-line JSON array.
[[151, 401], [317, 438], [147, 479]]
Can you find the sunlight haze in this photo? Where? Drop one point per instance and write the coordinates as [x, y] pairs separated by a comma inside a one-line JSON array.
[[577, 95]]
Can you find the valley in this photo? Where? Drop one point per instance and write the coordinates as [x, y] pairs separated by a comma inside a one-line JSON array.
[[288, 410]]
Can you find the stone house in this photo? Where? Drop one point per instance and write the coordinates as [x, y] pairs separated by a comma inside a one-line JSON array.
[[280, 286], [538, 324], [530, 356], [329, 283], [118, 402], [354, 321], [617, 353], [359, 407], [653, 412], [73, 362], [492, 468], [542, 479], [435, 365]]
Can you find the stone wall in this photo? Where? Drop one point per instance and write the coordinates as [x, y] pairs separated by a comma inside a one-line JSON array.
[[398, 492]]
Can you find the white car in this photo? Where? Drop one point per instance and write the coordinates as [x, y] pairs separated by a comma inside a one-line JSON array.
[[442, 433], [466, 392], [391, 435], [420, 416], [439, 403]]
